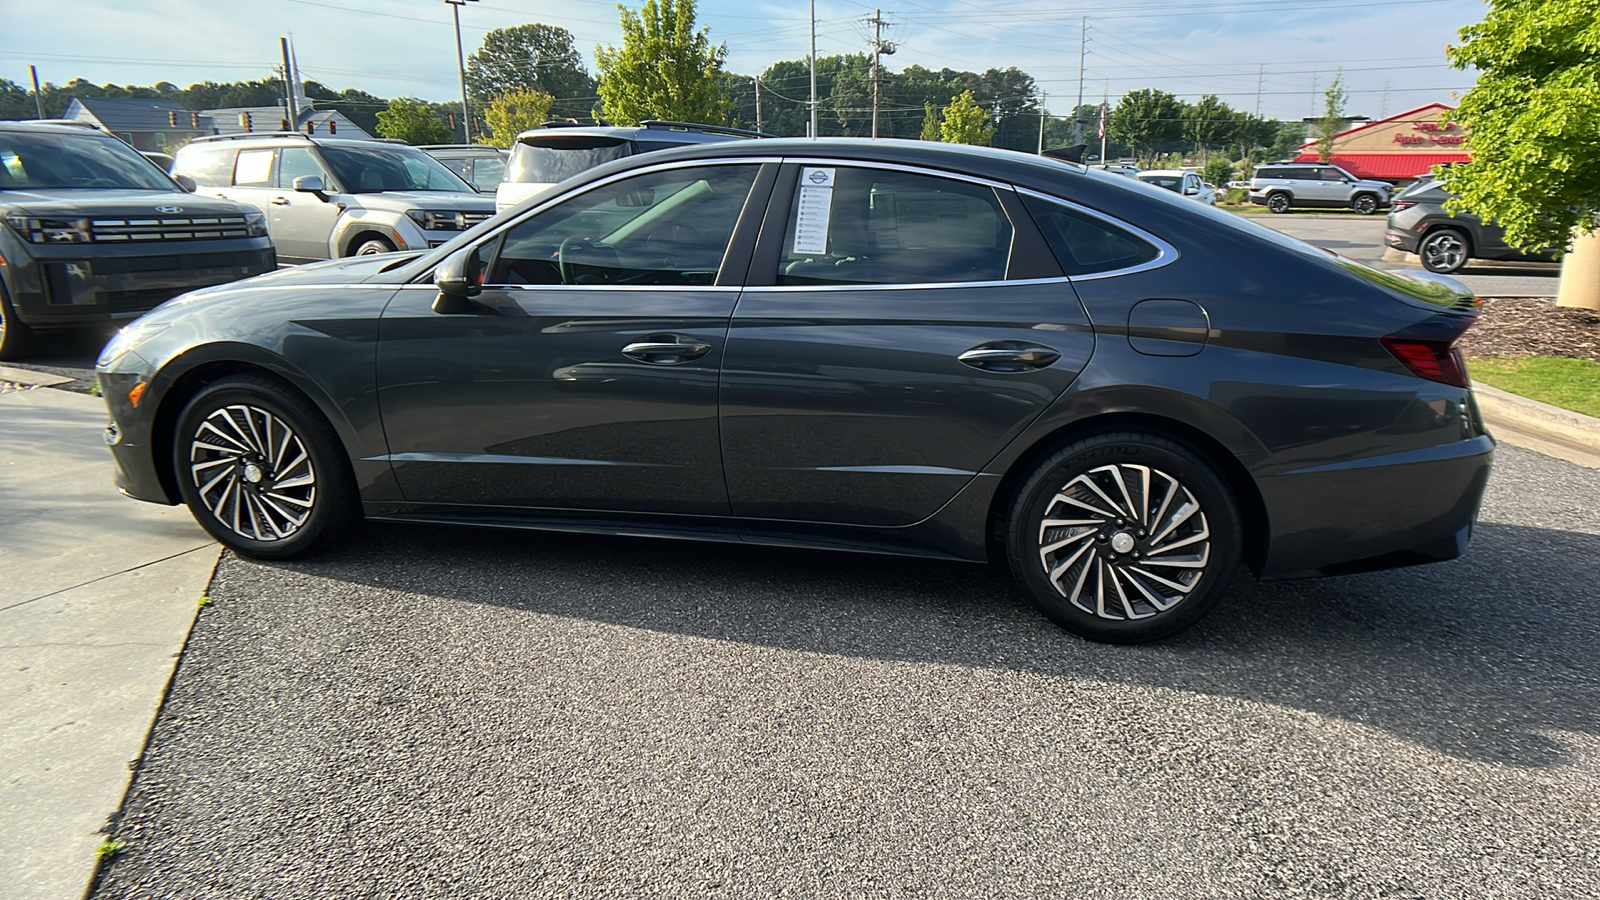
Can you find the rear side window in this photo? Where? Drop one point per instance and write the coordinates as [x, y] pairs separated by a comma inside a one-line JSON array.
[[547, 160], [1085, 245], [874, 226], [208, 166], [253, 169]]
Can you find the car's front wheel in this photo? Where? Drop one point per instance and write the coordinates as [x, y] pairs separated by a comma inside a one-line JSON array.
[[16, 339], [262, 470], [1444, 251], [372, 247], [1124, 537], [1278, 203]]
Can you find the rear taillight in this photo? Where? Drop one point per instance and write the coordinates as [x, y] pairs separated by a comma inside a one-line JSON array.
[[1398, 205], [1434, 360]]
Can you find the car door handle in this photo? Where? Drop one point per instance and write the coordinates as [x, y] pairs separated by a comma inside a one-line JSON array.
[[1009, 356], [280, 201], [666, 350]]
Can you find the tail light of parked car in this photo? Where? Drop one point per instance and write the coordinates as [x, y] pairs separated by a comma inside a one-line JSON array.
[[1402, 204]]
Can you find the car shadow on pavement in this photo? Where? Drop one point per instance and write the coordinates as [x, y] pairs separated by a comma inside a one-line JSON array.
[[1484, 658]]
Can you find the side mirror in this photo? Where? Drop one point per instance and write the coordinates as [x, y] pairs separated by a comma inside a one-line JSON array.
[[310, 184], [457, 281], [1190, 191], [186, 183]]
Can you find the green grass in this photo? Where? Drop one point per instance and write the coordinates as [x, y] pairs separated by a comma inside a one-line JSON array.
[[109, 849], [94, 389], [1568, 383]]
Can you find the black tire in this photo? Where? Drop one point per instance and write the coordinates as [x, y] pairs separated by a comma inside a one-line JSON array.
[[1090, 545], [17, 340], [372, 246], [1365, 204], [236, 453], [1445, 250], [1278, 202]]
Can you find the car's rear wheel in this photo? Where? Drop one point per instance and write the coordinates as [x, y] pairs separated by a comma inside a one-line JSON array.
[[1124, 537], [1365, 204], [16, 338], [1445, 250], [1278, 202], [373, 246], [262, 470]]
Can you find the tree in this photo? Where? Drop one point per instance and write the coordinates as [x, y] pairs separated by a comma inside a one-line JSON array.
[[411, 121], [1144, 120], [533, 57], [1218, 172], [512, 113], [664, 68], [930, 124], [1332, 121], [1205, 122], [965, 122], [1290, 136], [1534, 120], [1251, 132]]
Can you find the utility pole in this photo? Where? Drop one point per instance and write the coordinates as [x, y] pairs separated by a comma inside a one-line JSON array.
[[813, 128], [880, 47], [1314, 81], [38, 108], [288, 86], [758, 104], [1077, 123], [1042, 96], [1261, 73], [1383, 108], [461, 69]]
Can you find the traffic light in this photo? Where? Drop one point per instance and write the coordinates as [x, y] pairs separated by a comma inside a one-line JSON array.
[[311, 127], [244, 121], [333, 127], [194, 121], [283, 124], [172, 118], [452, 118]]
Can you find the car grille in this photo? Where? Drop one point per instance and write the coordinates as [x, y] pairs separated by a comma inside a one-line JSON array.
[[167, 228], [469, 219]]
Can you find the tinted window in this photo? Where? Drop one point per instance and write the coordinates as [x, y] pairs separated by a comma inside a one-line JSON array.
[[662, 228], [547, 160], [487, 171], [295, 162], [86, 160], [388, 167], [208, 165], [254, 168], [1084, 244], [459, 165], [1170, 182], [874, 226]]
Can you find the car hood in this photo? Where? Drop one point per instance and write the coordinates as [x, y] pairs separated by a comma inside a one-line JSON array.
[[69, 203], [403, 200]]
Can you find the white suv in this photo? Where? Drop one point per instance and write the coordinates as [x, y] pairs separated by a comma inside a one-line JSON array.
[[327, 198], [1281, 187]]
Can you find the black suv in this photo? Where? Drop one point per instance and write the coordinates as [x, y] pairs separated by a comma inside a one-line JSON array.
[[93, 233]]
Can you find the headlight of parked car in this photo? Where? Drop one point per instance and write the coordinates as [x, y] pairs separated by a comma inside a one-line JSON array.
[[127, 340], [256, 223], [39, 230], [438, 219]]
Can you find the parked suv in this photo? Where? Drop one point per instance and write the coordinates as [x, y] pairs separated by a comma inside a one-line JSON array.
[[559, 150], [1419, 223], [479, 165], [326, 198], [94, 233], [1281, 187]]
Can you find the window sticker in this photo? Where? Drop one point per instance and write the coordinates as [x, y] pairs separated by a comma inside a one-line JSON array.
[[815, 207]]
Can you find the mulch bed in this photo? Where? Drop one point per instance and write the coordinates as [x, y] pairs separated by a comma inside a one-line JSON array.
[[1533, 326]]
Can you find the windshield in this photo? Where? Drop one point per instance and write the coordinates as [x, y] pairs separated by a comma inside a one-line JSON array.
[[1170, 182], [389, 167], [557, 159], [88, 161]]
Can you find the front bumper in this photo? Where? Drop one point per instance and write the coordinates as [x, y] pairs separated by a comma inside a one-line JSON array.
[[129, 432]]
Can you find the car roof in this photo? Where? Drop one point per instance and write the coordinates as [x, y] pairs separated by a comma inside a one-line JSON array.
[[287, 138], [1144, 172], [482, 149], [53, 128]]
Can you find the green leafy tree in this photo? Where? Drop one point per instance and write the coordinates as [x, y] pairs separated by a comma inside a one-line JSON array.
[[512, 113], [965, 122], [1290, 136], [413, 122], [1145, 120], [532, 57], [1253, 133], [1534, 119], [930, 124], [1208, 122], [1332, 121], [665, 69], [1218, 171]]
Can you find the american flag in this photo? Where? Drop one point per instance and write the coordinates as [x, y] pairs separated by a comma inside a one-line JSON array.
[[1102, 121]]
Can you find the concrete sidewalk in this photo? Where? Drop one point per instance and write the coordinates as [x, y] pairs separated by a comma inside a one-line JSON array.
[[97, 593]]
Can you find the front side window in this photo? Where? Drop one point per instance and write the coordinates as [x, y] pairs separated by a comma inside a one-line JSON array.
[[1085, 245], [487, 172], [666, 228], [388, 167], [254, 168], [76, 160], [297, 162], [210, 165], [875, 226]]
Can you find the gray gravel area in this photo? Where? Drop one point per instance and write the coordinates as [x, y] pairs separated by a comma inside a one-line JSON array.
[[440, 712]]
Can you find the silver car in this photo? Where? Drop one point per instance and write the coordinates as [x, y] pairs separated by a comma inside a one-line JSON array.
[[1281, 187], [326, 198]]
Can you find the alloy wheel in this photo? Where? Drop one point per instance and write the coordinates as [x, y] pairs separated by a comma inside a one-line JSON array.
[[253, 473], [1124, 542], [1444, 252], [1278, 203]]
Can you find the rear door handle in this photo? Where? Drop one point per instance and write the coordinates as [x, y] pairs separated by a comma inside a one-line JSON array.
[[666, 350], [280, 201], [1009, 356]]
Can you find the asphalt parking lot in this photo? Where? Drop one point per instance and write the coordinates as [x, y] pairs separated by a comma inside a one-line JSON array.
[[441, 712]]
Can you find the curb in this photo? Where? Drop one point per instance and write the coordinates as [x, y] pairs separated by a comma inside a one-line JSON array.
[[1552, 428]]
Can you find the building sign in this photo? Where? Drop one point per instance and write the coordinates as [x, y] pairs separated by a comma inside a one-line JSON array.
[[1440, 134]]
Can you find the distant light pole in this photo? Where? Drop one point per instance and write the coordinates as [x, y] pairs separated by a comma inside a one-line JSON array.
[[461, 68]]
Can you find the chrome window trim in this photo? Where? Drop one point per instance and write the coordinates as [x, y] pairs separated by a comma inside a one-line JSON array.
[[561, 198], [920, 286], [898, 167], [593, 288], [1166, 254]]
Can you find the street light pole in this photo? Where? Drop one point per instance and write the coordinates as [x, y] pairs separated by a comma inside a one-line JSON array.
[[813, 69], [461, 69]]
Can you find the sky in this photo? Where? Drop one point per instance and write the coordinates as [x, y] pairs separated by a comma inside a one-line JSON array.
[[1278, 53]]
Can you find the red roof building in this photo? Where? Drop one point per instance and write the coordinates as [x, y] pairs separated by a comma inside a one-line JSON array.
[[1398, 148]]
